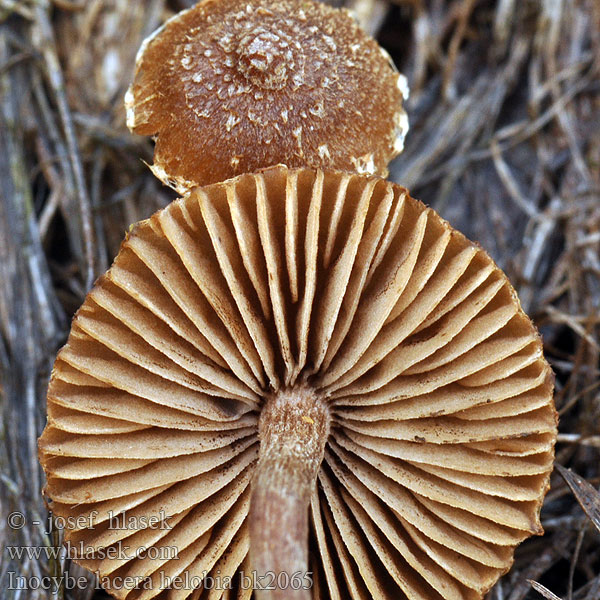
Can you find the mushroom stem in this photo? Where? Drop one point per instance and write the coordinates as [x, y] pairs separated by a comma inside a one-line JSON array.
[[293, 429]]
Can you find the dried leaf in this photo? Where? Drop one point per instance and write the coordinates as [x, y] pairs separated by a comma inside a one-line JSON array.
[[538, 587], [587, 496]]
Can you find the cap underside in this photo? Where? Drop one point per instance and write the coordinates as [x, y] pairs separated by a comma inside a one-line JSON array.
[[443, 424]]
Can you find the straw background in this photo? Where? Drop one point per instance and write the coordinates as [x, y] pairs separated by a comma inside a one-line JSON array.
[[504, 143]]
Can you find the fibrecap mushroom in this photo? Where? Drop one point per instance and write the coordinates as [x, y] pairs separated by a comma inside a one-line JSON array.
[[229, 87], [300, 370]]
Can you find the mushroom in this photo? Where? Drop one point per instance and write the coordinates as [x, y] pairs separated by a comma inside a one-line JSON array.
[[343, 396], [229, 87]]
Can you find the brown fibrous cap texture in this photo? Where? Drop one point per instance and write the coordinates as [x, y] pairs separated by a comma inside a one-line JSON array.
[[409, 343], [228, 87]]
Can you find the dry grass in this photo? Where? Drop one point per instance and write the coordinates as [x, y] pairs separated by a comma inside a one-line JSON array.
[[504, 142]]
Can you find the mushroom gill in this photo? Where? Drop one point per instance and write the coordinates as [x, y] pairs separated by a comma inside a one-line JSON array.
[[319, 319]]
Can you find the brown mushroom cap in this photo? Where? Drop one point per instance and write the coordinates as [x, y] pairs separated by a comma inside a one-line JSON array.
[[229, 87], [442, 420]]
